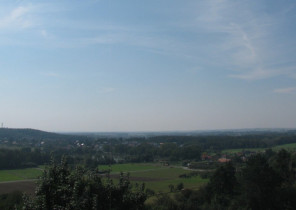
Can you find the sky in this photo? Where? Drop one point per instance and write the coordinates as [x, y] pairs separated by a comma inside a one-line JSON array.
[[157, 65]]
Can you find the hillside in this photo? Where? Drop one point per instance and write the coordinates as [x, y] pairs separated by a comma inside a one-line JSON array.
[[32, 134]]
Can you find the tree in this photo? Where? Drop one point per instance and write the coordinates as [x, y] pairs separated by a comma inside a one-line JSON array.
[[180, 186], [63, 188], [260, 185], [282, 163], [222, 186], [172, 187]]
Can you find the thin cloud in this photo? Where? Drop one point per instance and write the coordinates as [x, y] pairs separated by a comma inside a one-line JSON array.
[[285, 90], [246, 40], [50, 74], [107, 90], [257, 74], [17, 18], [44, 33], [231, 35]]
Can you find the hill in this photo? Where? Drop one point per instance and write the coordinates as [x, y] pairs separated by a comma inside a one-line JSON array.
[[11, 134]]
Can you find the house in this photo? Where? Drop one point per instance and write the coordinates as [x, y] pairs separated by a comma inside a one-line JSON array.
[[224, 160]]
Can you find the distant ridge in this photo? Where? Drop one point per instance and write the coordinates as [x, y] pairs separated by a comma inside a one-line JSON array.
[[33, 134], [29, 133], [223, 132]]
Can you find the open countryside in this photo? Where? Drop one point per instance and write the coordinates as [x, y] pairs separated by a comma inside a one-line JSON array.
[[156, 176]]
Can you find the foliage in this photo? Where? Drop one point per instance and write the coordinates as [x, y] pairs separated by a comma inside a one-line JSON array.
[[11, 201], [266, 181], [63, 188], [23, 158], [222, 186], [260, 185]]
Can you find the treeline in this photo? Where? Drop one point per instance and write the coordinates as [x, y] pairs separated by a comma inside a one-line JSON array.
[[32, 135], [264, 182], [146, 152], [222, 142], [22, 158], [87, 156], [176, 148], [92, 152]]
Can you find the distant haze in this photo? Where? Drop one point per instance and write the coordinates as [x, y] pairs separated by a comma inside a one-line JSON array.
[[98, 65]]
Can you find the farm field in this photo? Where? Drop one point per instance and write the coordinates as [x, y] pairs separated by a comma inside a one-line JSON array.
[[285, 146], [157, 177], [275, 148], [19, 174], [27, 186], [129, 167]]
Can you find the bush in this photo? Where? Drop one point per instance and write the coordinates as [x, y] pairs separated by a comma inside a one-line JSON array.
[[62, 188], [11, 200]]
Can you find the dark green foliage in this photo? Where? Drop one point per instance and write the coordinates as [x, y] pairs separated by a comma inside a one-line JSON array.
[[191, 152], [142, 153], [222, 186], [260, 185], [172, 188], [11, 201], [284, 165], [62, 188], [149, 192], [180, 186], [24, 158], [186, 199], [91, 151], [165, 202]]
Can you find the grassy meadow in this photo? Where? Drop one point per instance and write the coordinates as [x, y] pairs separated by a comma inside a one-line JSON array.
[[289, 147], [129, 167], [19, 174], [156, 177]]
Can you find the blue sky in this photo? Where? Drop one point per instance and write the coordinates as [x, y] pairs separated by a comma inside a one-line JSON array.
[[102, 65]]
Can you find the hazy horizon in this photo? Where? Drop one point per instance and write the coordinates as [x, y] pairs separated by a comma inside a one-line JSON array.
[[129, 66], [162, 131]]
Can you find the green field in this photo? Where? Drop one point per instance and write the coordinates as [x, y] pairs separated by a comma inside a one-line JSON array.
[[285, 146], [19, 174], [156, 177], [129, 167], [275, 148]]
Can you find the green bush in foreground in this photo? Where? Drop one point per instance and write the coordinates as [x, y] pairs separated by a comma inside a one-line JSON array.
[[11, 201], [62, 188], [264, 182]]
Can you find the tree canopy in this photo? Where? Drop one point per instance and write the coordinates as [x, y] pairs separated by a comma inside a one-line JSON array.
[[61, 187]]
